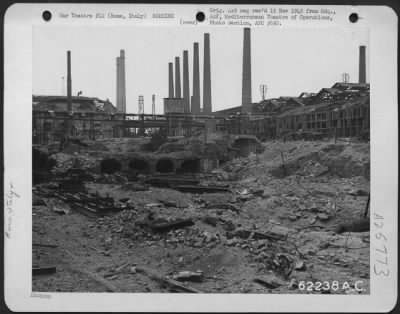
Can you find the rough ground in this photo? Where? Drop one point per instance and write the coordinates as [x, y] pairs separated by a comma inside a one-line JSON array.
[[322, 185]]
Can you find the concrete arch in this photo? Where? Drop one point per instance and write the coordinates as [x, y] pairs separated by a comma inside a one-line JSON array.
[[165, 166], [110, 165], [190, 166], [139, 164]]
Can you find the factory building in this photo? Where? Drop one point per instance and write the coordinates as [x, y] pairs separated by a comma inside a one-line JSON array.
[[340, 111]]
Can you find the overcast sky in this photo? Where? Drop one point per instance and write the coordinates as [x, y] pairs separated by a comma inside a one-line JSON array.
[[288, 61]]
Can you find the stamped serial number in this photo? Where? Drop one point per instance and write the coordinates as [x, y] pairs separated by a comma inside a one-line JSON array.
[[330, 285]]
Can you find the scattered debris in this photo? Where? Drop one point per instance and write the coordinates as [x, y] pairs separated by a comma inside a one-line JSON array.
[[105, 283], [223, 206], [170, 284], [189, 276], [201, 189], [300, 266], [171, 225], [120, 268], [246, 234], [133, 270], [170, 181], [258, 192], [243, 218], [38, 202], [270, 282], [360, 225], [59, 206], [91, 205], [48, 270], [358, 192], [283, 264], [105, 253], [45, 245]]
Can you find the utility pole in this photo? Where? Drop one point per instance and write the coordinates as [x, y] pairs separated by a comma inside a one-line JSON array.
[[153, 109]]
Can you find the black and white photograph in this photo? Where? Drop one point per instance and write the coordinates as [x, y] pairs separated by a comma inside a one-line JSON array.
[[224, 154]]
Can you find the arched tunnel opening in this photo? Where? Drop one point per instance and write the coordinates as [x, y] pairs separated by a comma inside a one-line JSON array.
[[164, 166], [245, 145], [110, 165], [190, 166], [139, 165]]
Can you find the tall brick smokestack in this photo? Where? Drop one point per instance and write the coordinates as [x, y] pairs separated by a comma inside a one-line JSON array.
[[196, 80], [186, 88], [246, 75], [207, 106], [177, 78], [118, 91], [170, 80], [122, 80], [362, 75], [69, 82]]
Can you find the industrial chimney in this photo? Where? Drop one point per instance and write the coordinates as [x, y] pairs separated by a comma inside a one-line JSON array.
[[177, 78], [170, 80], [362, 76], [69, 83], [118, 94], [186, 88], [246, 75], [121, 91], [207, 106], [196, 80]]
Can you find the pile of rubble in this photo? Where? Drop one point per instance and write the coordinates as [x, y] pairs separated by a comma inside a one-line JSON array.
[[136, 225], [278, 213], [267, 248], [66, 161]]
